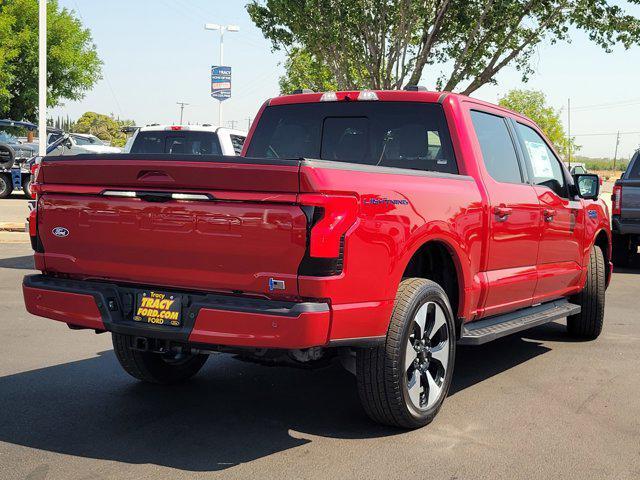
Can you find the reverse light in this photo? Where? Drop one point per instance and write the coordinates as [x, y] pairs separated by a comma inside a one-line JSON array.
[[616, 200], [119, 193], [367, 96], [340, 212], [329, 97]]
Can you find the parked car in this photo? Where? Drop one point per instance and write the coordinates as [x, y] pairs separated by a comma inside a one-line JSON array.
[[626, 213], [14, 157], [78, 143], [378, 228], [186, 139]]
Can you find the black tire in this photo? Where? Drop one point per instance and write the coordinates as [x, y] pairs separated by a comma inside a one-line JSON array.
[[7, 155], [621, 250], [26, 185], [155, 367], [381, 374], [6, 185], [588, 323]]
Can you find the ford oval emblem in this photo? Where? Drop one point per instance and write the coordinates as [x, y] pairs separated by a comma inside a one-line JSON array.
[[60, 232]]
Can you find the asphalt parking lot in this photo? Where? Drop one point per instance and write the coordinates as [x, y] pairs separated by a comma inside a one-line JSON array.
[[535, 405]]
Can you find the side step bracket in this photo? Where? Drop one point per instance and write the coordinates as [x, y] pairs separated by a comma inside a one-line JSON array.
[[492, 328]]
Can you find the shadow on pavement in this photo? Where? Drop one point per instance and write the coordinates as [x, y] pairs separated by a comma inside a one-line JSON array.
[[21, 263], [232, 412]]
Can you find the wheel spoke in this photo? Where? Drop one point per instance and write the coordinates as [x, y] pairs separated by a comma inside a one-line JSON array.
[[409, 356], [421, 319], [441, 354], [414, 387], [439, 321], [433, 389]]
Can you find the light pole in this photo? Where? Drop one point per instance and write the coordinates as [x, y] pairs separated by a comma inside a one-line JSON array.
[[222, 29], [42, 78]]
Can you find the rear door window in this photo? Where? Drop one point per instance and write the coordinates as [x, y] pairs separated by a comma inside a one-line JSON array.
[[389, 134], [498, 149], [176, 143]]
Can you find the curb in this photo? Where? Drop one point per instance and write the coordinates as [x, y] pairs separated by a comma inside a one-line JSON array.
[[12, 227]]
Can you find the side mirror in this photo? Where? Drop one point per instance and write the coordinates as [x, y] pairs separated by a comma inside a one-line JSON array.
[[588, 185], [67, 143]]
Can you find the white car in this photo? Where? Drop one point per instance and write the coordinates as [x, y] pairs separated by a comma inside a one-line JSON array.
[[81, 143], [186, 140]]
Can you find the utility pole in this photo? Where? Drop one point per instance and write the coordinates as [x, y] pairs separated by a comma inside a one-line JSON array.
[[569, 131], [42, 78], [232, 123], [615, 155], [248, 119], [182, 105]]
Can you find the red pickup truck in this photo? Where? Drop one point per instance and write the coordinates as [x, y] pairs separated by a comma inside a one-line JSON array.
[[380, 228]]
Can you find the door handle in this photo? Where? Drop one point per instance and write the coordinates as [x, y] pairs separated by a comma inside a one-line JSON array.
[[548, 214], [502, 212]]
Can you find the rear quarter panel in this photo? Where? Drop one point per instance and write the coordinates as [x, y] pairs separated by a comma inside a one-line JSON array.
[[399, 211]]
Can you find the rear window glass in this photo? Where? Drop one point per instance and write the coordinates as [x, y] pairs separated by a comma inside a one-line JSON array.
[[390, 134], [635, 167], [177, 143], [237, 141]]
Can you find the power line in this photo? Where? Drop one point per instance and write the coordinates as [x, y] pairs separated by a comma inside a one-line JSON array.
[[604, 106], [603, 134]]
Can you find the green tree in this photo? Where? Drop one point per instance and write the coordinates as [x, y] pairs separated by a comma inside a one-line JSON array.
[[303, 70], [105, 127], [73, 66], [533, 104], [458, 45]]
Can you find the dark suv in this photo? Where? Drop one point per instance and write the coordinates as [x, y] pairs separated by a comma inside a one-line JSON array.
[[626, 214]]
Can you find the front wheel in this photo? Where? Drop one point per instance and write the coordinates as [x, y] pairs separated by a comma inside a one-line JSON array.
[[588, 323], [404, 382], [155, 367]]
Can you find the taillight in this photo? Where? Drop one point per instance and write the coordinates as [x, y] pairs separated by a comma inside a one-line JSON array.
[[330, 218], [616, 200], [34, 170], [36, 244]]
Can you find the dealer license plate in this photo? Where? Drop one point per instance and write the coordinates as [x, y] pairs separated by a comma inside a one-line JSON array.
[[158, 308]]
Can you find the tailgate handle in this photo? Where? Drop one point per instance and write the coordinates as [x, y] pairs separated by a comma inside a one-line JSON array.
[[154, 196], [154, 176]]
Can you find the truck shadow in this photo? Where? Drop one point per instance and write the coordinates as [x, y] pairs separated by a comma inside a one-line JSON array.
[[232, 412], [24, 262]]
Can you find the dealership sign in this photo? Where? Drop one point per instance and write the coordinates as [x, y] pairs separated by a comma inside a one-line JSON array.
[[220, 82]]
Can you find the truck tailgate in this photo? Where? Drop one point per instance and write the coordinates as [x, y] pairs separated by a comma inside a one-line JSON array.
[[240, 230], [630, 208]]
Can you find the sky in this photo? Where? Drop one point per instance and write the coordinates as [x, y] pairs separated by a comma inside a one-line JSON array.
[[157, 53]]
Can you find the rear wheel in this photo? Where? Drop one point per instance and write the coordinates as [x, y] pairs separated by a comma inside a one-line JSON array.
[[26, 185], [155, 367], [6, 185], [588, 323], [621, 250], [404, 382]]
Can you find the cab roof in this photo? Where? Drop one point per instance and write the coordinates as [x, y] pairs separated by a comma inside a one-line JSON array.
[[413, 95]]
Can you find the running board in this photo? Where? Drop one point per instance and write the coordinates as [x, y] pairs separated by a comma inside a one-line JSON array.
[[492, 328]]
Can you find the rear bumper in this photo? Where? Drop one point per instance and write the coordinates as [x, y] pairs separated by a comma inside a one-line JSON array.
[[206, 319]]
